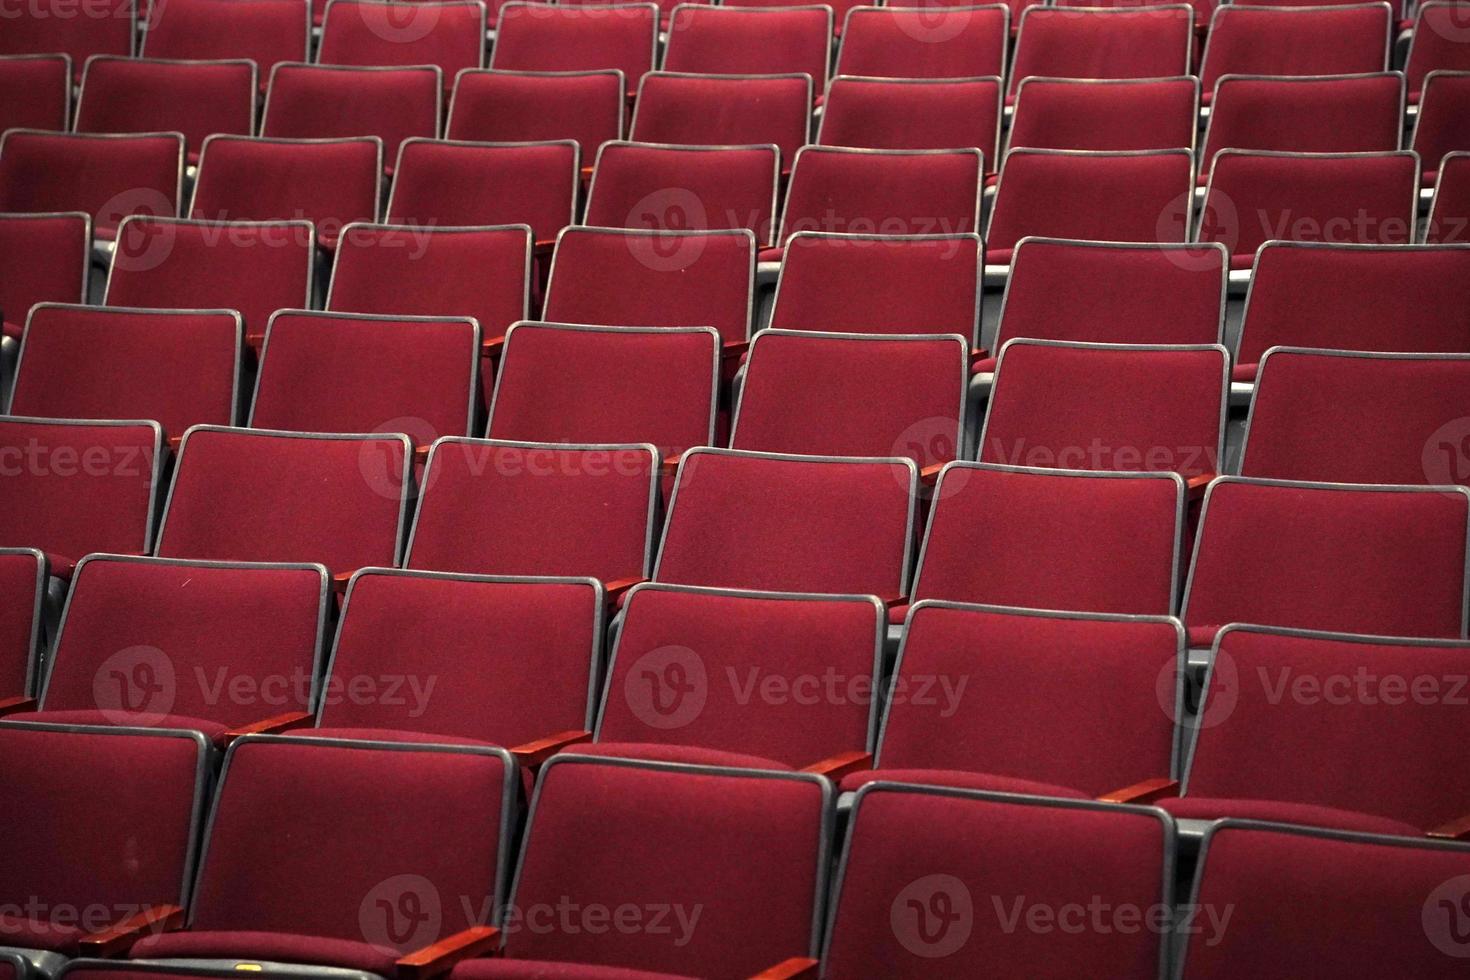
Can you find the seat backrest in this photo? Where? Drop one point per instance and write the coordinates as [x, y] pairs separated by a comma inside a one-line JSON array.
[[325, 101], [1087, 42], [47, 258], [880, 284], [747, 520], [1449, 216], [1316, 555], [263, 31], [520, 508], [721, 642], [1105, 114], [735, 40], [1438, 43], [364, 32], [571, 383], [912, 114], [1106, 542], [24, 572], [35, 91], [928, 42], [1335, 40], [133, 95], [177, 367], [718, 110], [1440, 127], [105, 27], [337, 500], [586, 107], [500, 660], [542, 37], [109, 176]]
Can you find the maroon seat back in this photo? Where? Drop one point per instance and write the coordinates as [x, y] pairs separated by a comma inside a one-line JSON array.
[[586, 107], [108, 176]]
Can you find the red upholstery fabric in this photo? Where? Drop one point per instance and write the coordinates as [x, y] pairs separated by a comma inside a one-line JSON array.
[[1318, 557], [1122, 114], [46, 259], [22, 577], [449, 35], [517, 106], [42, 933], [879, 284], [254, 268], [960, 779], [540, 37], [684, 188], [1118, 197], [446, 183], [755, 41], [324, 101], [937, 114], [654, 279], [106, 28], [72, 488], [1397, 6], [695, 755], [939, 42], [498, 969], [108, 177], [35, 91], [1336, 40], [611, 834], [1379, 904], [124, 718], [979, 863], [1449, 221], [1206, 808], [242, 495], [271, 946], [786, 678], [527, 509], [177, 368], [854, 395], [1155, 42], [129, 95], [741, 520], [562, 383], [264, 31], [501, 662], [1442, 123], [713, 110], [1438, 44]]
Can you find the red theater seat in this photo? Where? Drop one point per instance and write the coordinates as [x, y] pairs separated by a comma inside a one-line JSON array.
[[47, 258], [1319, 40], [735, 40], [1449, 217], [542, 37], [913, 114], [108, 176], [1087, 42], [720, 110], [933, 42], [101, 27], [1105, 114], [196, 98], [35, 91], [526, 106], [1438, 44], [331, 101], [1443, 124], [450, 36], [266, 32]]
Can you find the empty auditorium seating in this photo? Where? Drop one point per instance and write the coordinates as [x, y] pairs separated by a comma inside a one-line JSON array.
[[1100, 541], [105, 27], [1257, 196], [131, 95], [326, 101], [1449, 216], [521, 106], [1438, 44], [586, 384], [176, 367], [722, 110], [1318, 555], [912, 114], [46, 259], [348, 372], [542, 37], [935, 42], [255, 495], [871, 283], [520, 508], [1105, 114], [1086, 42], [1328, 40], [266, 32], [685, 188], [1440, 128], [329, 182], [24, 572], [365, 32], [735, 40], [1117, 197], [109, 176], [35, 91]]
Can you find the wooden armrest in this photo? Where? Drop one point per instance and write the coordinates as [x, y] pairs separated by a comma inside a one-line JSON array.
[[978, 354], [12, 706], [174, 442], [492, 346], [893, 602], [1145, 792], [270, 726], [255, 340], [420, 455], [669, 466], [1195, 486], [536, 752], [1454, 830], [614, 590], [440, 958], [119, 937], [929, 475], [797, 966], [339, 582], [842, 764], [733, 349]]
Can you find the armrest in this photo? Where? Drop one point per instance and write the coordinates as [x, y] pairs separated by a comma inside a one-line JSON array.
[[339, 582], [733, 349], [534, 753], [615, 589], [669, 466], [1194, 487], [12, 706], [174, 442], [440, 958], [492, 346], [1145, 792], [270, 726], [797, 966], [978, 354], [841, 764], [893, 602], [255, 340], [929, 475], [421, 454], [1454, 830], [119, 937]]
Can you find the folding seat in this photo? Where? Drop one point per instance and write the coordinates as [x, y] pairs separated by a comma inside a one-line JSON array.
[[133, 95], [1086, 42], [880, 284], [542, 37], [210, 647], [104, 27], [520, 508], [744, 520], [329, 182], [932, 42], [1317, 555], [1105, 114], [337, 500], [358, 372], [444, 182], [46, 258], [855, 394], [366, 32], [583, 384], [1349, 39], [24, 573], [1449, 215], [128, 805], [1352, 297], [1141, 196], [35, 91], [735, 40], [931, 873], [326, 101], [176, 367], [1333, 114], [1086, 406], [1412, 891], [654, 279], [108, 176], [1259, 196], [912, 114], [526, 106], [685, 188], [718, 110], [1440, 127], [1438, 44], [266, 32]]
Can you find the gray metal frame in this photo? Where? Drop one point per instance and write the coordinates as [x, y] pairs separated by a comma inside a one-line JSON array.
[[210, 968], [306, 36], [1013, 83], [994, 148], [653, 59], [1005, 59], [35, 645], [1434, 202], [176, 136], [386, 212], [484, 27], [285, 141], [68, 111], [234, 62], [437, 72], [661, 64], [1418, 117], [87, 226], [633, 125], [618, 72], [1114, 82], [1388, 26]]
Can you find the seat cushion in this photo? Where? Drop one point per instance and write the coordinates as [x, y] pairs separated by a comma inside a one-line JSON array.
[[1207, 808], [692, 755], [959, 779], [278, 947], [504, 969], [28, 933]]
